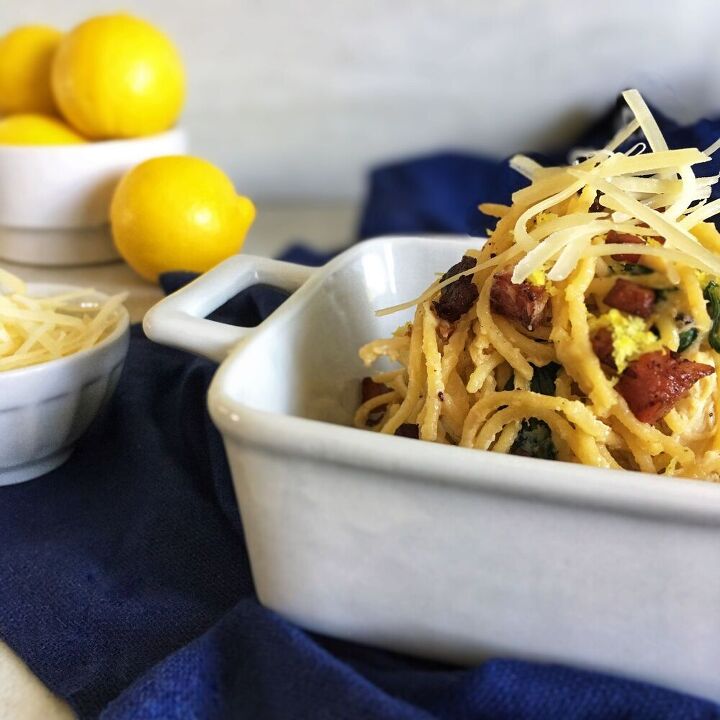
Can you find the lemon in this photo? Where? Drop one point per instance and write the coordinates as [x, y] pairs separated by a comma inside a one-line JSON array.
[[116, 76], [177, 213], [35, 129], [26, 55]]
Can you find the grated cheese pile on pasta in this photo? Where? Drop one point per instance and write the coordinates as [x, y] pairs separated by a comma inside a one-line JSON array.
[[37, 329], [587, 327]]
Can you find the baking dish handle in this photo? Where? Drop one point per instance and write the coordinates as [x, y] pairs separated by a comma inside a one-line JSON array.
[[180, 319]]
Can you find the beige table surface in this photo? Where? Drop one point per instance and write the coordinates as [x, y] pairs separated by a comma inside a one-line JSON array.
[[325, 227]]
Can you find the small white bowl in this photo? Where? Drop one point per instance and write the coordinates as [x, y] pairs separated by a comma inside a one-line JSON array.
[[45, 408], [55, 199]]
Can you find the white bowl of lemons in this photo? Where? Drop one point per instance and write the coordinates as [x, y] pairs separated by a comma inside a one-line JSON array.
[[79, 109]]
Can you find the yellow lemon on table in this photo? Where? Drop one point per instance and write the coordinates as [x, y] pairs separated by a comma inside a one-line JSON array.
[[178, 213], [26, 56], [36, 129], [116, 76]]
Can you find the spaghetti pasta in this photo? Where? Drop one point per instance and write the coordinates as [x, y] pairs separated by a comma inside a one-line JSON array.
[[582, 329]]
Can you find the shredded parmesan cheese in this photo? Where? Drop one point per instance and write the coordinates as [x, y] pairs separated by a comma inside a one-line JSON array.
[[38, 329], [650, 194], [645, 119], [526, 166]]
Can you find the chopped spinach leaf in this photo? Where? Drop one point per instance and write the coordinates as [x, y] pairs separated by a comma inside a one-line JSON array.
[[687, 338], [712, 295], [662, 293], [534, 440], [635, 269], [543, 379]]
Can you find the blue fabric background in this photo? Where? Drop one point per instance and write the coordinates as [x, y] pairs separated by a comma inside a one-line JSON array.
[[124, 579]]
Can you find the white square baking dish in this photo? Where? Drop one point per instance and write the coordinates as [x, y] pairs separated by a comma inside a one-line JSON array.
[[434, 550]]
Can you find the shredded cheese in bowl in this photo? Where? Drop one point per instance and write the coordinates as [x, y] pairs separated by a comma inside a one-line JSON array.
[[38, 328]]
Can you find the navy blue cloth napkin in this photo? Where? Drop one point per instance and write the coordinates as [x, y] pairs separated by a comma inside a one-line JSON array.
[[124, 578]]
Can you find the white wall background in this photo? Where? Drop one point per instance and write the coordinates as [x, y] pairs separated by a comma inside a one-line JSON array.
[[297, 99]]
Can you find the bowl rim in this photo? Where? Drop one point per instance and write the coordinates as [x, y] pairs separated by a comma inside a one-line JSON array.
[[176, 132], [121, 328], [540, 480]]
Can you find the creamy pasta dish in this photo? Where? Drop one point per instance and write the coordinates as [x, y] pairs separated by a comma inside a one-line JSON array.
[[585, 329]]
